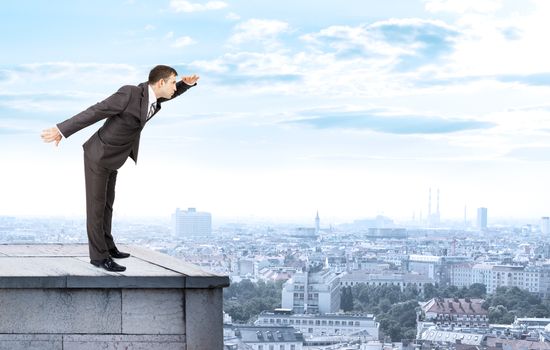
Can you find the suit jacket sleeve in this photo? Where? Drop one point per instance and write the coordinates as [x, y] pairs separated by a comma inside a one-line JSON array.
[[181, 87], [111, 106]]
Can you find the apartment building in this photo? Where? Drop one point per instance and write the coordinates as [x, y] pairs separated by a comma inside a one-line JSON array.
[[364, 325]]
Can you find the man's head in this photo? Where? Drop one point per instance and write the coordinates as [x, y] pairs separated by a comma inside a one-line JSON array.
[[163, 81]]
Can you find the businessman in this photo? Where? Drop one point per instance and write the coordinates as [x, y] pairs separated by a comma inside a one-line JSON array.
[[127, 112]]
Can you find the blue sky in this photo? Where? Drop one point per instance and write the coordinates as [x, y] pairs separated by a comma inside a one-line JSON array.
[[353, 108]]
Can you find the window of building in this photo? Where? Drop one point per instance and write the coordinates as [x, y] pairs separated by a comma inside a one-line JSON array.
[[272, 347], [278, 320], [291, 321], [310, 322], [281, 347], [310, 330], [260, 347], [292, 347], [324, 322], [271, 320], [336, 323], [317, 322], [330, 323], [357, 323]]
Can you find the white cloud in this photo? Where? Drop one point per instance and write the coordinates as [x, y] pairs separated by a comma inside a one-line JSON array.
[[258, 30], [233, 16], [187, 6], [463, 6], [169, 35], [150, 27], [485, 48], [183, 42]]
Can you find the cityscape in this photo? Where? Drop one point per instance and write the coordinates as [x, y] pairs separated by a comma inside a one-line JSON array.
[[345, 175], [313, 270]]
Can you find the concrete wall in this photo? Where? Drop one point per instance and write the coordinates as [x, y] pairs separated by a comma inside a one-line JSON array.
[[93, 319]]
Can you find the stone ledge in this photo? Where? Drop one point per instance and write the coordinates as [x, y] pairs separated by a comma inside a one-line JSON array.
[[67, 266], [91, 342]]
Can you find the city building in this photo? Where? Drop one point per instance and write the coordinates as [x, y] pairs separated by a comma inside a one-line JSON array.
[[402, 280], [269, 338], [317, 223], [323, 325], [311, 292], [545, 225], [482, 219], [191, 223], [437, 268], [435, 338], [453, 312], [535, 279]]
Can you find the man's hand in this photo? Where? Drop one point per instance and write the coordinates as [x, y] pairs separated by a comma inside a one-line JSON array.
[[190, 80], [51, 134]]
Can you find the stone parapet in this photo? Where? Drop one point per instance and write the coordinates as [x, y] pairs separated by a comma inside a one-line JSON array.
[[51, 297]]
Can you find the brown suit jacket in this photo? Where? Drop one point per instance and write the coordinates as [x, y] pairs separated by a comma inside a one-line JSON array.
[[118, 138]]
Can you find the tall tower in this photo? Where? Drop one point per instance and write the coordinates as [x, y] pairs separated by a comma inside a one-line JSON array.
[[545, 225], [429, 203], [317, 223], [482, 219]]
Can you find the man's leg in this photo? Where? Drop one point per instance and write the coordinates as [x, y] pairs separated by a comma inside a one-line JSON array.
[[108, 213], [96, 198]]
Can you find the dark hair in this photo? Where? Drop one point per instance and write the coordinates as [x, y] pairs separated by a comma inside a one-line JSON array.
[[161, 72]]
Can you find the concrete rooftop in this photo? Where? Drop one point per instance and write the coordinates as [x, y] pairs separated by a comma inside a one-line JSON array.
[[68, 266]]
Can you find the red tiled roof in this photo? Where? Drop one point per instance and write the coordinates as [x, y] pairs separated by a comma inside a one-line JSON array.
[[455, 306]]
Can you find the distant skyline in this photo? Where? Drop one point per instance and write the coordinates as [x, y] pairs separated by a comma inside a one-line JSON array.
[[351, 108]]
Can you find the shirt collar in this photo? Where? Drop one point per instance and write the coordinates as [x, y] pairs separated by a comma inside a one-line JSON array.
[[152, 96]]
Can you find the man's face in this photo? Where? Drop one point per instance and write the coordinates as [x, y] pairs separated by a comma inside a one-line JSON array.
[[167, 87]]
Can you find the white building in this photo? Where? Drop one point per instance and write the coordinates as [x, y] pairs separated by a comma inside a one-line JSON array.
[[545, 225], [385, 279], [324, 325], [531, 278], [270, 338], [191, 223], [312, 292], [467, 313], [482, 219]]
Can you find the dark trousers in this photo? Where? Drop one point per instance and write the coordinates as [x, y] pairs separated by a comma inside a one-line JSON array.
[[100, 196]]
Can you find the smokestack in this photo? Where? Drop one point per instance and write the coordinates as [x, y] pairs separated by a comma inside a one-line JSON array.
[[430, 203]]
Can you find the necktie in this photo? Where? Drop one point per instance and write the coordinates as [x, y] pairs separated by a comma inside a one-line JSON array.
[[151, 110]]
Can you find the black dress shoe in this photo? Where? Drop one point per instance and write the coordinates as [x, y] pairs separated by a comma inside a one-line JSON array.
[[117, 255], [108, 264]]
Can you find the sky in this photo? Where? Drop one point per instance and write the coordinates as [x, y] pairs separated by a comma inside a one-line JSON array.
[[352, 108]]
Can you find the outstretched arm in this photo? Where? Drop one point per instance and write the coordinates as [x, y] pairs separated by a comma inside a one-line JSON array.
[[182, 86]]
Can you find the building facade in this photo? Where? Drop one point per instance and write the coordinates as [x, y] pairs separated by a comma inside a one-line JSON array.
[[453, 312], [481, 219], [535, 279], [191, 223], [269, 338], [402, 280], [312, 292], [323, 325]]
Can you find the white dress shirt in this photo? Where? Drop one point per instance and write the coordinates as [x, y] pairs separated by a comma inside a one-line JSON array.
[[152, 99]]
